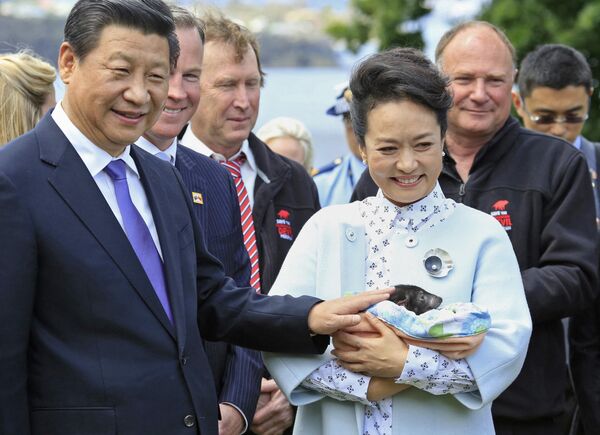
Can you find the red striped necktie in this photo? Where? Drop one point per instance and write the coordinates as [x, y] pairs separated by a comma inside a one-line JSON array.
[[234, 167]]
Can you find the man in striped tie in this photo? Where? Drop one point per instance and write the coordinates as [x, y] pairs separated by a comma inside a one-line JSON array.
[[276, 195]]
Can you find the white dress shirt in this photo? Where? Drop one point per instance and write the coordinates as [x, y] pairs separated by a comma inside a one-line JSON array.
[[96, 159], [248, 169], [169, 154]]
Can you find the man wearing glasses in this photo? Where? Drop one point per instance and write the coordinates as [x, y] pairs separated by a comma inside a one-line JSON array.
[[555, 86], [553, 97]]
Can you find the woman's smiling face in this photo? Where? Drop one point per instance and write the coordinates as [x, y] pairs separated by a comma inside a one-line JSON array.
[[403, 149]]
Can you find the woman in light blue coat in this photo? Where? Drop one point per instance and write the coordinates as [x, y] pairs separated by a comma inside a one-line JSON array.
[[374, 381]]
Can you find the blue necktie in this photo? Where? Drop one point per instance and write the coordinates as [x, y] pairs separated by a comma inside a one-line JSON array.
[[138, 234], [164, 156]]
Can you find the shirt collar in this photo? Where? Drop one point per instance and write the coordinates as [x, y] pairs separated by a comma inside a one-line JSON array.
[[383, 215], [577, 142], [149, 147], [192, 141], [94, 157]]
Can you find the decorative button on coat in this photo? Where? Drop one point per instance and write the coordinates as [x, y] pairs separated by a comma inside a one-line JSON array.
[[350, 234], [189, 421], [438, 263], [411, 241]]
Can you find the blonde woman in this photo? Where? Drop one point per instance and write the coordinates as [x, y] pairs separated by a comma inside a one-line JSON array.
[[26, 93], [289, 138]]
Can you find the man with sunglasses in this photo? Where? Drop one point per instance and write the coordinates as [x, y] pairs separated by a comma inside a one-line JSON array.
[[553, 97], [555, 86]]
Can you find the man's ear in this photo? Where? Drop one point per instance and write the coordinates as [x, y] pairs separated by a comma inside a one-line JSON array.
[[518, 103], [67, 62]]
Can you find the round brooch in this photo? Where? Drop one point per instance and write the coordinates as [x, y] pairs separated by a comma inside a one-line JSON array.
[[438, 263]]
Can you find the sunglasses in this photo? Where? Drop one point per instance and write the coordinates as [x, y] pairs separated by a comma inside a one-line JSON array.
[[547, 119], [557, 119]]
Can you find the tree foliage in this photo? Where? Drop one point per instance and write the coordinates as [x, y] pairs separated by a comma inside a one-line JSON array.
[[529, 23], [391, 23]]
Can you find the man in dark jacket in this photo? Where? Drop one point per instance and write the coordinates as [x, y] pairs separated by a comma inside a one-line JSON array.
[[553, 97], [276, 195], [538, 188]]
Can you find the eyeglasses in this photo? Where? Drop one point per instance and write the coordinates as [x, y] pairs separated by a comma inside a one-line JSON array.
[[557, 119], [547, 119]]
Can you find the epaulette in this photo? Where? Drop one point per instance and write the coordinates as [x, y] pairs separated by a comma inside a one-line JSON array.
[[328, 167]]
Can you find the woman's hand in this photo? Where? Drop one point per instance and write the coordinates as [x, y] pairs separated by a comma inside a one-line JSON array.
[[380, 388], [364, 328], [380, 353], [453, 348]]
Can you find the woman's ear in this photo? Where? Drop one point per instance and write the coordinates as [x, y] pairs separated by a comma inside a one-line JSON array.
[[363, 154]]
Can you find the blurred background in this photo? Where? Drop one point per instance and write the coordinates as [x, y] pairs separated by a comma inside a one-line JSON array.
[[309, 46]]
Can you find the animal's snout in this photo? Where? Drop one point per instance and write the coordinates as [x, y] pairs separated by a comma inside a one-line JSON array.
[[415, 298]]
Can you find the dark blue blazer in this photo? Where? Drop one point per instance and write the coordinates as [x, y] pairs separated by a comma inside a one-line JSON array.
[[85, 346], [237, 370]]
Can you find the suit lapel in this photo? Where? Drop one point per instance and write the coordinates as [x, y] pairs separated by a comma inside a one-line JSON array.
[[167, 234], [73, 182]]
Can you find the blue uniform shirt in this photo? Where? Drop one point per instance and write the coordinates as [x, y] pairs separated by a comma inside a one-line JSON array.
[[335, 182]]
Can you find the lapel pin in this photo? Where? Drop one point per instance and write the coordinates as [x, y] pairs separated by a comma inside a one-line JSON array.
[[197, 198], [438, 263]]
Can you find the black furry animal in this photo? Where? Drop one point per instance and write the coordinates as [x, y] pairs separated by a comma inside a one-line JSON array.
[[415, 298]]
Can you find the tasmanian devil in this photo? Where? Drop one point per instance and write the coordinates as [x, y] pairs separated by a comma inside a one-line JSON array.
[[415, 298]]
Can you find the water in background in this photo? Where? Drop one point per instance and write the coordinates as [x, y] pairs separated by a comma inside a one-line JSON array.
[[305, 94]]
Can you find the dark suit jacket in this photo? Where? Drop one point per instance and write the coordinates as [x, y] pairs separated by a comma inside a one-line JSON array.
[[285, 197], [237, 371], [86, 347], [584, 330]]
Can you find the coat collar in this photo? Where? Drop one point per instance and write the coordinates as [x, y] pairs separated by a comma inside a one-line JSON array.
[[271, 167], [500, 144]]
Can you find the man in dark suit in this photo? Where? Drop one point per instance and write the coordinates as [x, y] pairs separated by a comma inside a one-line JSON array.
[[277, 196], [105, 281], [237, 370]]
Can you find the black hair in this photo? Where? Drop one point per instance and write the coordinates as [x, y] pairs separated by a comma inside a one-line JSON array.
[[88, 18], [553, 66], [395, 75]]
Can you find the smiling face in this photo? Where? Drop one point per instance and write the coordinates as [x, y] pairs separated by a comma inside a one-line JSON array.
[[116, 92], [403, 148], [184, 90], [481, 74], [570, 101], [229, 98]]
